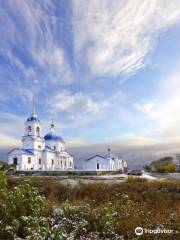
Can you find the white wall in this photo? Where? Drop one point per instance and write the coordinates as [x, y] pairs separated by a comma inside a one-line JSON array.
[[118, 164], [22, 160], [48, 157], [37, 163], [55, 145], [60, 161], [15, 155], [30, 143], [104, 164], [91, 164], [33, 125], [64, 161], [25, 164]]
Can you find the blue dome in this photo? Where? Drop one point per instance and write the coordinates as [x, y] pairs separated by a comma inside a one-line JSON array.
[[33, 118], [54, 137]]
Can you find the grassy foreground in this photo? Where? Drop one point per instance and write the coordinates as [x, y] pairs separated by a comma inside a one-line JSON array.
[[42, 209]]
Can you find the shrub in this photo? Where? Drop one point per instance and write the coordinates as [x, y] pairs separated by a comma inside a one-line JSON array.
[[23, 201], [162, 165], [3, 185], [91, 211], [170, 168]]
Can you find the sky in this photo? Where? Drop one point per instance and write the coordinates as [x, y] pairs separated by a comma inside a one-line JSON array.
[[107, 72]]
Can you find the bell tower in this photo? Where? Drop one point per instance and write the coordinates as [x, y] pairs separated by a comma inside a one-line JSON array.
[[32, 124], [32, 136]]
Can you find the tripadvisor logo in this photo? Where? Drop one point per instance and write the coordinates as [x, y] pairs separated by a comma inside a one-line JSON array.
[[139, 231]]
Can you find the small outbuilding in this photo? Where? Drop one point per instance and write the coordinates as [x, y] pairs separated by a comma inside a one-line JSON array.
[[107, 162]]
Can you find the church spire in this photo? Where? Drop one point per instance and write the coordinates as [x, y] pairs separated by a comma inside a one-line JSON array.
[[33, 107], [52, 125], [109, 151]]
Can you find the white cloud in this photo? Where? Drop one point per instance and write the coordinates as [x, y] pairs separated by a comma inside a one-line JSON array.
[[11, 124], [115, 37], [82, 108], [146, 108], [76, 142], [8, 141], [135, 140], [164, 111], [11, 129], [32, 28], [78, 102], [110, 37]]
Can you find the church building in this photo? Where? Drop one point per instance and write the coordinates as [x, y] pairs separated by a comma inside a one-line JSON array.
[[40, 153], [105, 162]]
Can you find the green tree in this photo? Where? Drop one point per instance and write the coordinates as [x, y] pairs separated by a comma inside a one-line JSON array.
[[160, 165], [147, 168], [170, 167]]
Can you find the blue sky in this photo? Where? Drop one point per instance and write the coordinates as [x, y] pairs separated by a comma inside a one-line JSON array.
[[108, 72]]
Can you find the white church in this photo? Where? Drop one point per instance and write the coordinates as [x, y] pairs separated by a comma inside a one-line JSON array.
[[40, 153], [49, 152], [106, 162]]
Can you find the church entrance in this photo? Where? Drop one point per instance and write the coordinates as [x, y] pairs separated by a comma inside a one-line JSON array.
[[15, 161]]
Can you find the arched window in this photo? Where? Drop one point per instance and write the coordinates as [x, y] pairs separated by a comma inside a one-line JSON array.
[[15, 161], [97, 166], [52, 161], [29, 159], [38, 130], [123, 163], [40, 161], [29, 129]]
